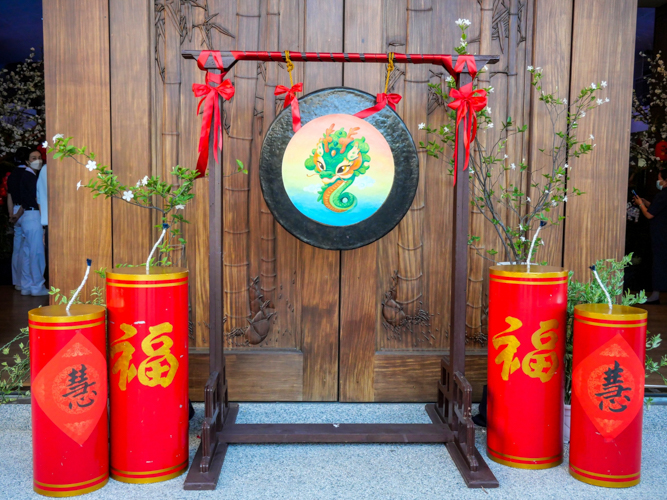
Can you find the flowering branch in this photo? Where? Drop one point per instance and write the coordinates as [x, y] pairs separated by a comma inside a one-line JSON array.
[[149, 192], [493, 194]]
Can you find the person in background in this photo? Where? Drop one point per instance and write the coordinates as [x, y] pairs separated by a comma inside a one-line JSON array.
[[656, 213], [43, 202], [34, 262], [15, 212]]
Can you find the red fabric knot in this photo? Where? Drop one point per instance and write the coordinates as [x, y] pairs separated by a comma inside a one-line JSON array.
[[211, 103], [462, 60], [381, 101], [291, 99], [466, 103], [203, 58]]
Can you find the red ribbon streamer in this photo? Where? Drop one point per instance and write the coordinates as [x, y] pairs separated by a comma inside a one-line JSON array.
[[290, 99], [210, 100], [381, 101], [466, 103]]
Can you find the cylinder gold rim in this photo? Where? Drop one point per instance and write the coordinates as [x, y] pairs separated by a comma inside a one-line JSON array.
[[521, 271], [69, 493], [604, 482], [618, 313], [59, 314], [155, 274]]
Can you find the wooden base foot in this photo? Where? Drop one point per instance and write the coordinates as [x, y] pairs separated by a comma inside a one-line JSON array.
[[197, 480]]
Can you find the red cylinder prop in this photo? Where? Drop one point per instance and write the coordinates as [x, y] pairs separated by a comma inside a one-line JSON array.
[[607, 394], [68, 373], [148, 379], [527, 315]]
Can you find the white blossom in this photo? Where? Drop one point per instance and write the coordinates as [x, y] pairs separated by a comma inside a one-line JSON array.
[[144, 181], [528, 200], [57, 136], [565, 199], [422, 125], [522, 238], [78, 185], [506, 156], [538, 68], [593, 86], [139, 183], [546, 191], [599, 101], [603, 84], [582, 114], [488, 108], [592, 137], [491, 89], [450, 78], [128, 195], [91, 165], [564, 100], [485, 68], [530, 68], [490, 125], [179, 207], [606, 99], [445, 130], [513, 166], [554, 203], [462, 22], [45, 144]]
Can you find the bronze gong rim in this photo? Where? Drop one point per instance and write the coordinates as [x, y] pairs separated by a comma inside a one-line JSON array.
[[339, 100]]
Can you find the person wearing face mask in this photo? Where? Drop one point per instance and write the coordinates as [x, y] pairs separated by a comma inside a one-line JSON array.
[[656, 213], [34, 260]]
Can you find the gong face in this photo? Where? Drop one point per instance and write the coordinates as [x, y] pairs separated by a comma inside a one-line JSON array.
[[340, 182]]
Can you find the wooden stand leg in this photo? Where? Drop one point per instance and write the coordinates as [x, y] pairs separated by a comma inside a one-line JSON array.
[[454, 408]]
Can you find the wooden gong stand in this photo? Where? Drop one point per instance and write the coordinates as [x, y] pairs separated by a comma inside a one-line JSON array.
[[450, 415]]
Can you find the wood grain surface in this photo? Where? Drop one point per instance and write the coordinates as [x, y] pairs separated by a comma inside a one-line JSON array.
[[325, 301]]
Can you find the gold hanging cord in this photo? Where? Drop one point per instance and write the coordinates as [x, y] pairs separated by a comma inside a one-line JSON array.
[[290, 67], [390, 68]]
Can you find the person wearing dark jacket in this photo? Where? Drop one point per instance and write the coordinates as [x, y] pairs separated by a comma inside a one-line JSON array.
[[656, 213], [34, 261]]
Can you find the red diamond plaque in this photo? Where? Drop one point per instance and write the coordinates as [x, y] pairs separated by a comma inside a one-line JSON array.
[[72, 388], [609, 384]]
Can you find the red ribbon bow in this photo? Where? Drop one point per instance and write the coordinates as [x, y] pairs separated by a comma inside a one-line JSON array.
[[381, 101], [290, 99], [466, 103], [210, 100]]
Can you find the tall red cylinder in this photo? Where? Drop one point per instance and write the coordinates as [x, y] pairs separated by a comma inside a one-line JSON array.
[[527, 316], [148, 373], [607, 394], [68, 374]]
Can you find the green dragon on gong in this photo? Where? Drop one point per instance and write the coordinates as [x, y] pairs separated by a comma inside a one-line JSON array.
[[339, 158]]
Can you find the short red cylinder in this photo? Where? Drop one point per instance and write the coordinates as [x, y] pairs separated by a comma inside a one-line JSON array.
[[527, 316], [68, 374], [607, 394], [148, 373]]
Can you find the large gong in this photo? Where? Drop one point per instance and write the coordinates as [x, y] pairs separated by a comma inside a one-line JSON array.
[[340, 182]]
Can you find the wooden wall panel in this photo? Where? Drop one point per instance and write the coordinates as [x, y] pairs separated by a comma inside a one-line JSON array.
[[551, 52], [76, 56], [131, 58], [319, 272], [603, 38], [359, 272], [139, 123]]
